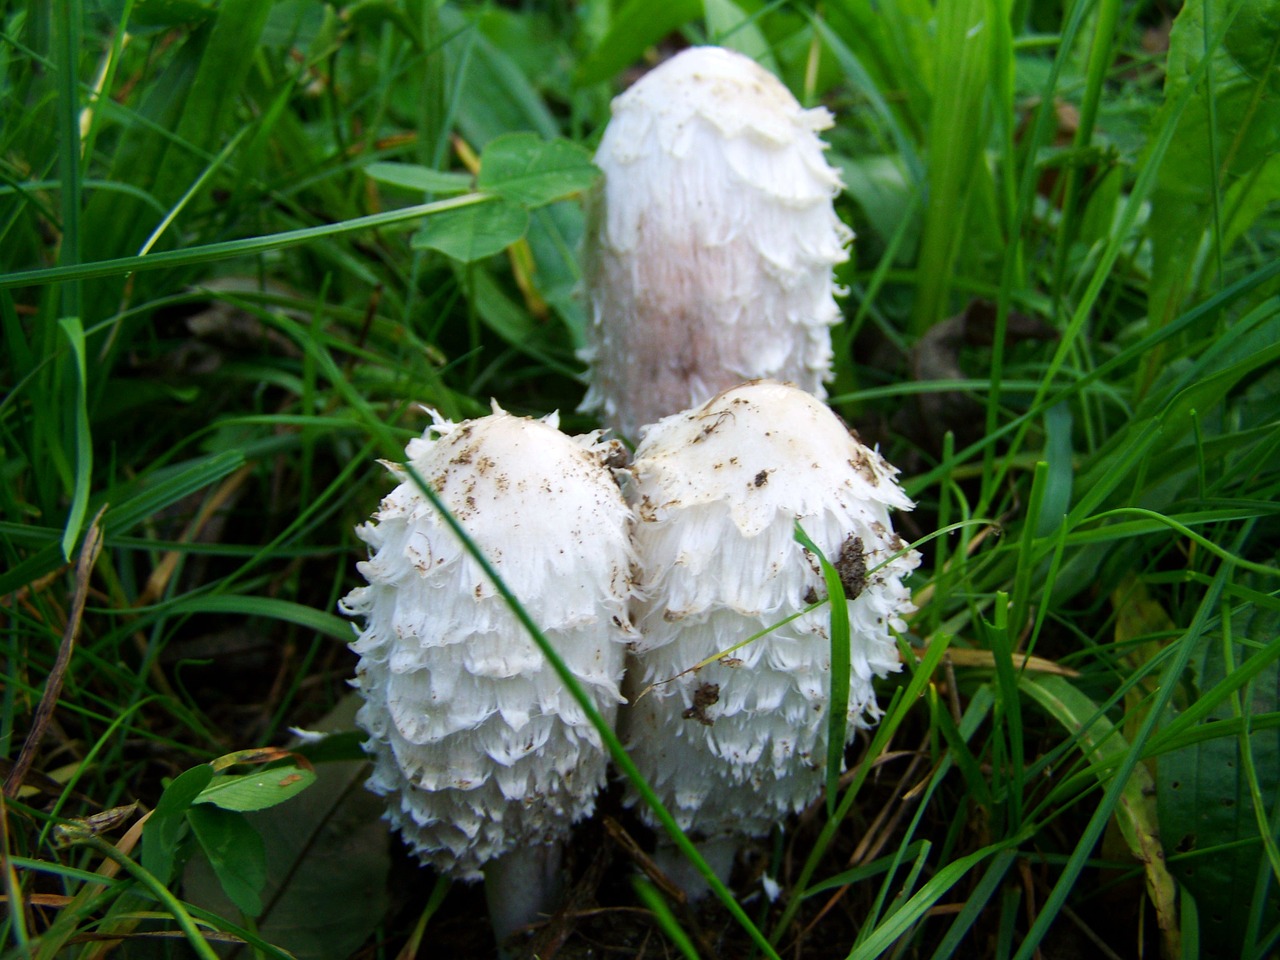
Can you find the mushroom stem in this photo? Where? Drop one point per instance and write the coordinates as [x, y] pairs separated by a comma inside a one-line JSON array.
[[719, 853], [521, 886], [485, 758]]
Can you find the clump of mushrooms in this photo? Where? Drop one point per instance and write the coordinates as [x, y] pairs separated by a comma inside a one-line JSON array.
[[708, 262], [710, 240], [736, 745], [483, 754]]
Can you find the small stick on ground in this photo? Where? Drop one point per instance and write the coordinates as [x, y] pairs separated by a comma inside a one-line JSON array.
[[89, 551], [660, 880]]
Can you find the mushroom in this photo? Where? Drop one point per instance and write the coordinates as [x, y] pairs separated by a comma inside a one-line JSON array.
[[737, 744], [710, 241], [485, 758]]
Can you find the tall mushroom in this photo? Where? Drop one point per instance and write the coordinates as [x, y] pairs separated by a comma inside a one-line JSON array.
[[736, 745], [710, 241], [484, 756]]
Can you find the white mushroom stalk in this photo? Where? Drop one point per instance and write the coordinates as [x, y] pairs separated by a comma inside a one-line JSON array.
[[734, 747], [484, 756], [710, 241]]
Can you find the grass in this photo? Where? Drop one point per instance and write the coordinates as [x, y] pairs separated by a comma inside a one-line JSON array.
[[220, 306]]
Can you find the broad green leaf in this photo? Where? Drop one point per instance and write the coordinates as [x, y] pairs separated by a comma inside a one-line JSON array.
[[1098, 219], [1248, 198], [412, 176], [1207, 814], [728, 25], [328, 854], [639, 25], [525, 169], [555, 233], [302, 24], [236, 853], [475, 232], [167, 823], [1143, 629], [1135, 815], [510, 320], [497, 96], [371, 15], [1229, 127], [257, 790], [148, 15], [1252, 42], [535, 40], [879, 184]]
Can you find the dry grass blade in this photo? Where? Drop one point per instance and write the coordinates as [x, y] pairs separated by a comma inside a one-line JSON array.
[[877, 835], [981, 659]]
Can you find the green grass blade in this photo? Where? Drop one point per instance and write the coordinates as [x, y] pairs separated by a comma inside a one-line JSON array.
[[234, 248], [978, 901], [667, 921], [322, 622], [838, 702], [895, 714], [82, 435], [942, 882], [958, 177], [1111, 798]]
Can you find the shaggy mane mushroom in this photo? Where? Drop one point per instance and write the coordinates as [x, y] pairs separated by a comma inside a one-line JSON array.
[[710, 241], [734, 747], [485, 758]]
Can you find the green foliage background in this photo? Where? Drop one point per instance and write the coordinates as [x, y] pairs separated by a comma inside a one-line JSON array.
[[240, 241]]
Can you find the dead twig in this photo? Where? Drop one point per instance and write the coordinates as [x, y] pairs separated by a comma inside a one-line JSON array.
[[89, 551], [618, 834], [664, 883]]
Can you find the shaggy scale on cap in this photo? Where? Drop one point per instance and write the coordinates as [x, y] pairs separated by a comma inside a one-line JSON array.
[[477, 744], [710, 241], [736, 746]]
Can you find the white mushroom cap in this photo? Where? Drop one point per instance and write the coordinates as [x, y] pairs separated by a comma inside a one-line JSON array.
[[477, 743], [711, 241], [737, 745]]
